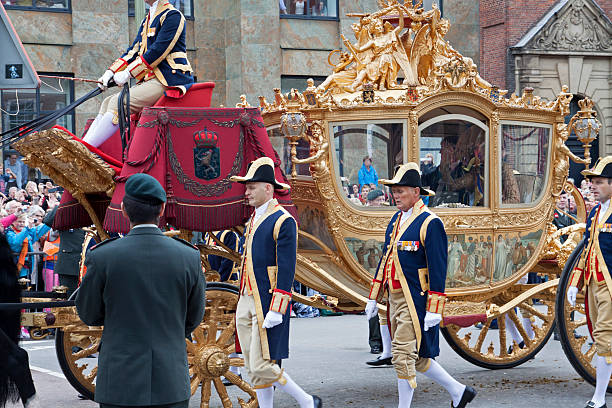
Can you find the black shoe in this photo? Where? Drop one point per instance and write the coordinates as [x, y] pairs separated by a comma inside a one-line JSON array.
[[521, 346], [376, 349], [380, 362], [317, 401], [591, 404], [468, 395], [82, 397]]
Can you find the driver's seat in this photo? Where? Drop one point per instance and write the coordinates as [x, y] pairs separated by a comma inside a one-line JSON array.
[[199, 95]]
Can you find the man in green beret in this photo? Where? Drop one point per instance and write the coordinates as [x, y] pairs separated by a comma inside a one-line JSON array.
[[148, 291]]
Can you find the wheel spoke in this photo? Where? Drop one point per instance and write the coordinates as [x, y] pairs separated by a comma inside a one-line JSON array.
[[482, 336], [198, 334], [225, 399], [191, 347], [205, 394], [227, 334], [194, 383], [514, 318], [501, 324], [237, 362], [535, 312]]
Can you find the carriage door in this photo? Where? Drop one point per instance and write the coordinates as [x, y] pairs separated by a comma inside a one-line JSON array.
[[454, 160]]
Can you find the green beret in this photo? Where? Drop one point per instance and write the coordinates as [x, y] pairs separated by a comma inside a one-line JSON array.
[[144, 188]]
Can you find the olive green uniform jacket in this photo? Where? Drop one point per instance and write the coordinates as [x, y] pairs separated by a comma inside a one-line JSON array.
[[148, 290]]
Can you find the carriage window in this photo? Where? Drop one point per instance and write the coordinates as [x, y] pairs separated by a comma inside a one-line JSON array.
[[366, 153], [283, 149], [524, 162], [453, 162]]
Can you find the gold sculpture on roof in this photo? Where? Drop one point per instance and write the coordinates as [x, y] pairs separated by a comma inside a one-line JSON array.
[[399, 39]]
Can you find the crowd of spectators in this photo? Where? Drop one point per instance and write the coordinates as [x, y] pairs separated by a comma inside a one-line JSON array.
[[23, 207]]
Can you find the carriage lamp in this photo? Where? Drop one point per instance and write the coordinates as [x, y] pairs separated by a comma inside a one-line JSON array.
[[293, 125], [585, 125]]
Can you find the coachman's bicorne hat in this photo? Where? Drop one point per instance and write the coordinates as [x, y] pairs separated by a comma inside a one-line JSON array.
[[602, 168], [408, 175], [261, 170]]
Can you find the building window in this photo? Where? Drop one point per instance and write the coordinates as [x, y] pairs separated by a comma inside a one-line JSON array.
[[289, 82], [184, 6], [314, 9], [43, 5], [24, 105]]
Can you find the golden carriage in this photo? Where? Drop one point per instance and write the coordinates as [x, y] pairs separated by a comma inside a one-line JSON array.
[[497, 163]]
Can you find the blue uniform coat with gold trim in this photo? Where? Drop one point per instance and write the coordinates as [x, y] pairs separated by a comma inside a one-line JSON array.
[[159, 50], [269, 267], [417, 249], [597, 255]]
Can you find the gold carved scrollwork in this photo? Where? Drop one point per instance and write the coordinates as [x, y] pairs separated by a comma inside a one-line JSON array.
[[318, 148], [562, 157]]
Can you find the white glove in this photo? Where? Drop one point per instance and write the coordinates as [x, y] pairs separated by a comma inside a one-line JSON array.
[[371, 310], [122, 77], [571, 295], [105, 78], [272, 319], [431, 320]]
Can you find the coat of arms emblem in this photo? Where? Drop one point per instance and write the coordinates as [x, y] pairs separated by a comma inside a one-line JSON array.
[[206, 157]]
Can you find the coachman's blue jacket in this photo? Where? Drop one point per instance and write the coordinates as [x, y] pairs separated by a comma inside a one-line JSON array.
[[267, 272], [159, 50], [596, 259], [415, 263]]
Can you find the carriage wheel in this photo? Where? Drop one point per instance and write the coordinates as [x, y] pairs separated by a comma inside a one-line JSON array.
[[208, 356], [208, 353], [76, 346], [494, 349], [576, 340]]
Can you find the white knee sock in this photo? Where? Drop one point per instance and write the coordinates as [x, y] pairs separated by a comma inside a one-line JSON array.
[[93, 124], [528, 327], [516, 336], [385, 335], [405, 392], [603, 378], [290, 387], [265, 397], [105, 128], [439, 375]]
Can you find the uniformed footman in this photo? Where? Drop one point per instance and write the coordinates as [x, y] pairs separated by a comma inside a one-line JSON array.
[[593, 275], [412, 274], [266, 277], [147, 290]]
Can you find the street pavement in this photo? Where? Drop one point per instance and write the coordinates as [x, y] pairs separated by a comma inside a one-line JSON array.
[[328, 357]]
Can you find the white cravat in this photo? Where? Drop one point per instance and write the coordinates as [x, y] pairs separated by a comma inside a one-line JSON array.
[[405, 216], [261, 210], [152, 9], [604, 208]]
